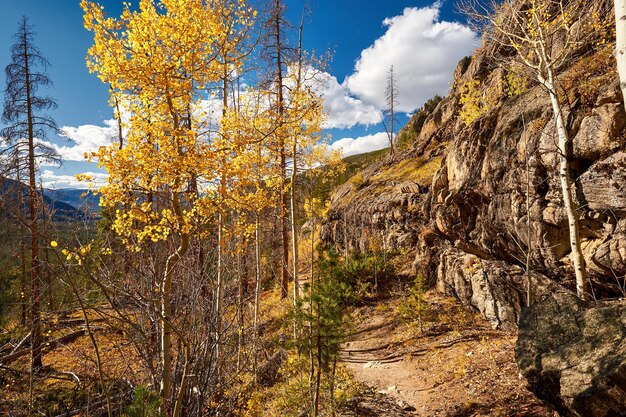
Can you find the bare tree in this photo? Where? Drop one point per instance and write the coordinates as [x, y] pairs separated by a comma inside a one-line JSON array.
[[26, 122], [540, 32], [391, 96]]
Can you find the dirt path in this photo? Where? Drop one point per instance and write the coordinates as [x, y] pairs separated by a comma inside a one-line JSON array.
[[458, 366]]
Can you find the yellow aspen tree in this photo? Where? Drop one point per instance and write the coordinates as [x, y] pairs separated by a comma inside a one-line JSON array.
[[304, 116], [162, 56], [230, 55], [255, 177]]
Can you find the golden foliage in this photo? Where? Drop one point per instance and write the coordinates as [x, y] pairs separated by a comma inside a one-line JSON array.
[[159, 59], [515, 84], [476, 100]]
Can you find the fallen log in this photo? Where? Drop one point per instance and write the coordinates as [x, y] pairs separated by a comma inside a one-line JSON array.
[[60, 341]]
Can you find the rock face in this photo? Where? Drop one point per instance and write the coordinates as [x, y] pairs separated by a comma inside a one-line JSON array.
[[495, 288], [575, 358], [493, 197]]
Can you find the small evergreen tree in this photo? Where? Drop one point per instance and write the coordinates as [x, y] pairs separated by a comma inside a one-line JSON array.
[[321, 311]]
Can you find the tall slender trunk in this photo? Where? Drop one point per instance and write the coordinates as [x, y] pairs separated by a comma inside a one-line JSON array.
[[311, 289], [564, 145], [318, 378], [166, 308], [178, 405], [294, 176], [22, 246], [620, 44], [220, 237], [312, 266], [257, 290], [36, 352], [45, 223], [241, 295], [284, 280]]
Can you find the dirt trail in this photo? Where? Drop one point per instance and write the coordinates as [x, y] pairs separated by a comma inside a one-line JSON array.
[[458, 366]]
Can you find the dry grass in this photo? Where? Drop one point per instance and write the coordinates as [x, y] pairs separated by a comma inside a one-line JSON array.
[[413, 169]]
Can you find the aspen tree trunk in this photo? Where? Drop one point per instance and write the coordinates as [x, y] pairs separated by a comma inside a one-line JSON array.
[[166, 309], [241, 295], [294, 176], [312, 288], [312, 244], [35, 318], [564, 144], [178, 405], [220, 238], [620, 43], [118, 116], [257, 290]]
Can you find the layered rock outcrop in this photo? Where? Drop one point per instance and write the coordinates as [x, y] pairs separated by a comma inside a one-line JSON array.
[[487, 193]]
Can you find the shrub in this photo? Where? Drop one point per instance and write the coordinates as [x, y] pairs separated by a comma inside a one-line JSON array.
[[362, 271], [358, 181], [414, 308], [145, 403]]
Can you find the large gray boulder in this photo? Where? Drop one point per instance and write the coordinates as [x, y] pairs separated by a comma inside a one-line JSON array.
[[498, 290], [573, 357]]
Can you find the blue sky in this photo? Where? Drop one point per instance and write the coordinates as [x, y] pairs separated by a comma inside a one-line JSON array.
[[423, 41]]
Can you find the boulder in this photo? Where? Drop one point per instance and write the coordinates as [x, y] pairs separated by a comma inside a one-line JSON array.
[[574, 357], [496, 289], [600, 133], [604, 184]]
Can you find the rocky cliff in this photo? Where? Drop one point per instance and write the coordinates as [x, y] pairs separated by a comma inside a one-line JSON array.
[[478, 200]]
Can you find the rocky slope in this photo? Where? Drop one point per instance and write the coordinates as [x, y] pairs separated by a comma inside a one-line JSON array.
[[477, 199], [461, 196]]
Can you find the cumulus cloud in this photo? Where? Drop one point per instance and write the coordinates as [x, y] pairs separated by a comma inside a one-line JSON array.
[[343, 110], [85, 138], [368, 143], [55, 181], [423, 51]]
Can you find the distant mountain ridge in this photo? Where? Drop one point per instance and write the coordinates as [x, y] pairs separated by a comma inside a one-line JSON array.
[[65, 204]]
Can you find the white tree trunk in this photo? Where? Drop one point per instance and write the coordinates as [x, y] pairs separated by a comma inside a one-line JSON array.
[[257, 291], [620, 43], [165, 320], [582, 288]]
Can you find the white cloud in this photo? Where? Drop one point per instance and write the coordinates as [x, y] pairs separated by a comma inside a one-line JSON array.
[[86, 138], [343, 110], [423, 51], [54, 181], [350, 146]]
